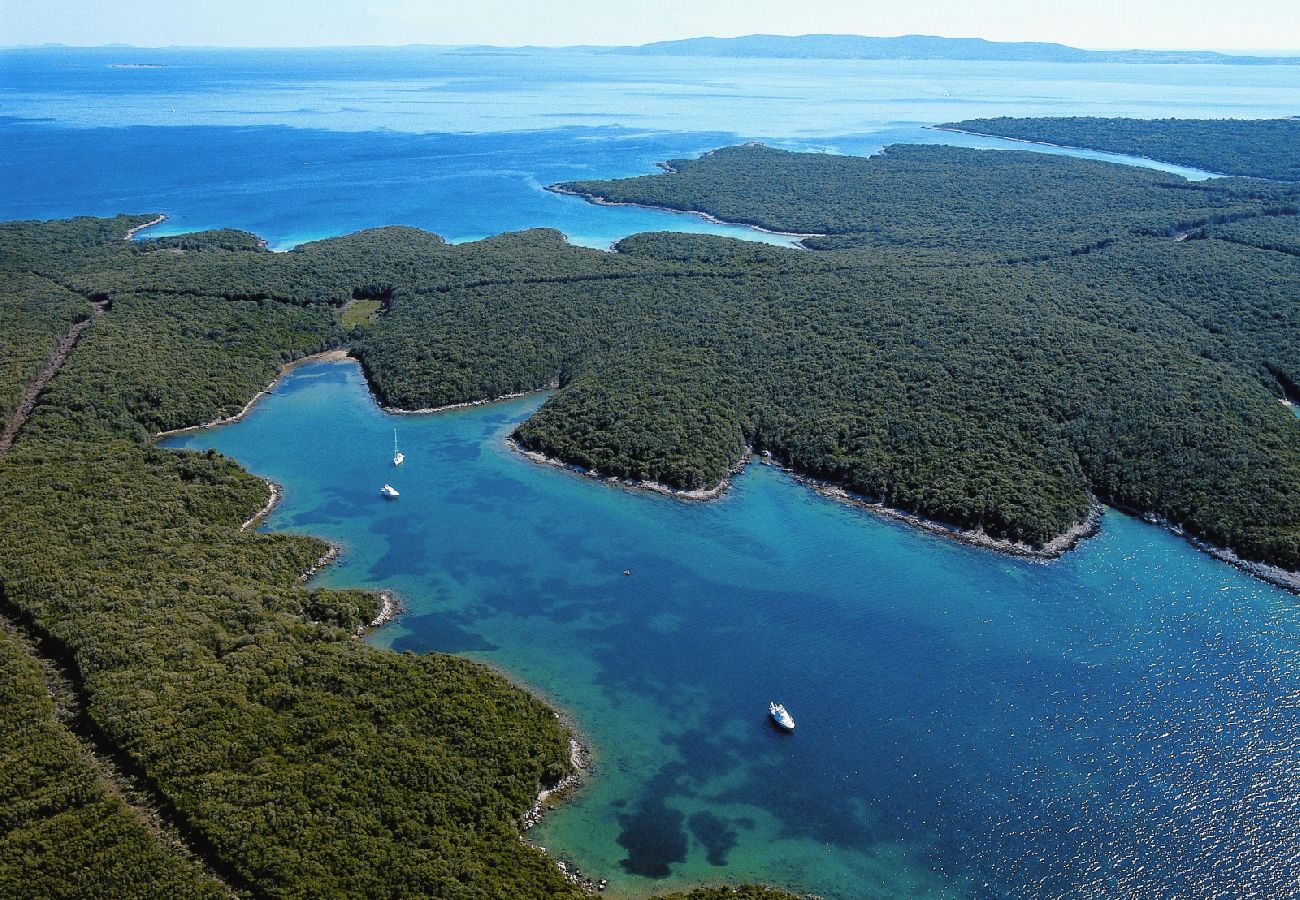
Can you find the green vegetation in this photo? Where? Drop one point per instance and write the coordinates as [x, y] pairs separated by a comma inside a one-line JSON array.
[[360, 312], [1278, 234], [740, 892], [1260, 148], [63, 832], [198, 241], [904, 204], [990, 357], [34, 314], [988, 373]]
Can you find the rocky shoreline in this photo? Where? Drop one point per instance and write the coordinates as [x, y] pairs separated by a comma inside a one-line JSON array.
[[549, 798], [1058, 546], [272, 502], [390, 607], [132, 232], [329, 556], [694, 495], [1274, 575], [398, 411], [1053, 549]]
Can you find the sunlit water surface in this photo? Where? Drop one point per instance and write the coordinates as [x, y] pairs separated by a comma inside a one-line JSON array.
[[298, 145], [1120, 722]]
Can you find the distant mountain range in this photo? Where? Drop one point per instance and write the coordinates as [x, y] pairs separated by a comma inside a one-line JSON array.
[[917, 46]]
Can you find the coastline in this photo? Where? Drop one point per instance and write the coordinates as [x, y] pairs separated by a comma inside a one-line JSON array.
[[272, 502], [1062, 543], [698, 213], [580, 755], [390, 607], [1053, 549], [132, 232], [1205, 173], [697, 495], [430, 410], [549, 798], [335, 355], [1274, 575], [328, 557], [1058, 546], [1266, 572]]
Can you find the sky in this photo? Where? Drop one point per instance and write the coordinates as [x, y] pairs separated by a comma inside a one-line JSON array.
[[1110, 24]]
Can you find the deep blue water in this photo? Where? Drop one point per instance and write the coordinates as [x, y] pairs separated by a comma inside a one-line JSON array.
[[1117, 723], [296, 145], [1120, 722]]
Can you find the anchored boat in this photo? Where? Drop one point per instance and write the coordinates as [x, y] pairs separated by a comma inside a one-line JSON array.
[[389, 492], [781, 716]]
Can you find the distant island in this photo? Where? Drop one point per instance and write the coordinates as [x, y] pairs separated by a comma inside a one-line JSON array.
[[928, 47]]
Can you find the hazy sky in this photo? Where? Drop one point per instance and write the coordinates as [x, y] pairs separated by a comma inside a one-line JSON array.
[[1173, 24]]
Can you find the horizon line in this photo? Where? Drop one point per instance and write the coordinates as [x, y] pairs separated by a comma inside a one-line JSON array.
[[1241, 51]]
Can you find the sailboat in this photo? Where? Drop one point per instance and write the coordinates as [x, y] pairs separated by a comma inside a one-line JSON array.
[[781, 716], [398, 456]]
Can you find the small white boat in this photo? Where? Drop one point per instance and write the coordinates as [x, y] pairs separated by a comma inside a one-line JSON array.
[[389, 492], [398, 456], [781, 717]]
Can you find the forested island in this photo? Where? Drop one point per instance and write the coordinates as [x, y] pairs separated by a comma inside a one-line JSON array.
[[924, 46], [989, 339], [1259, 148]]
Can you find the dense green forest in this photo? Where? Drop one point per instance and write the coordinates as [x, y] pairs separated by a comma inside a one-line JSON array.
[[905, 206], [992, 374], [63, 831], [34, 314], [993, 371], [1259, 148]]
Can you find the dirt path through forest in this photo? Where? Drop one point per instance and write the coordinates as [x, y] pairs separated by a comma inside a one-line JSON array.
[[56, 360]]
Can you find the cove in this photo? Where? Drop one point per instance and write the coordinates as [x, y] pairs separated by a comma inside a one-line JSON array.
[[1121, 721]]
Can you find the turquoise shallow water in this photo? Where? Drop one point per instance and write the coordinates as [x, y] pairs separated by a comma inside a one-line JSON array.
[[298, 145], [1120, 722]]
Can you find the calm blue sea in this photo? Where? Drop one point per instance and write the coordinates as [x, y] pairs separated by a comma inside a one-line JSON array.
[[297, 145], [1121, 722]]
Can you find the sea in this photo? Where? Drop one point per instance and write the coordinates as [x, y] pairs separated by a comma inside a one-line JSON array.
[[1121, 722]]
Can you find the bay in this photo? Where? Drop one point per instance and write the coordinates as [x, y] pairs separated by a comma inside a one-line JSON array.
[[1119, 722]]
